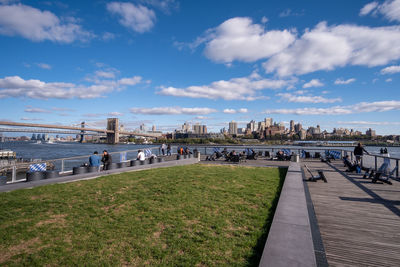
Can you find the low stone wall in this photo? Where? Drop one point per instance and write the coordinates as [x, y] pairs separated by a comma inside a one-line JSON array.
[[289, 240]]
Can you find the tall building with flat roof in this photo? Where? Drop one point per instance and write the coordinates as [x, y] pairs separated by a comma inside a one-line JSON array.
[[268, 122], [292, 126], [186, 127], [199, 129], [233, 128]]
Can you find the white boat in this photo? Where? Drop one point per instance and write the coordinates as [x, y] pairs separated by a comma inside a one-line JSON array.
[[38, 142]]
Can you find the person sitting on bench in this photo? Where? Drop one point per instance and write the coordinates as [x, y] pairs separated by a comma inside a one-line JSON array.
[[350, 166], [251, 154]]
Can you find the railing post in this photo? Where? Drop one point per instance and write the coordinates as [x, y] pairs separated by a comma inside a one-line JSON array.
[[14, 174], [397, 168], [351, 155], [376, 162], [62, 165]]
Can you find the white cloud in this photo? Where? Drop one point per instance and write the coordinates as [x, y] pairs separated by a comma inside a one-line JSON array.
[[202, 118], [107, 36], [390, 9], [390, 70], [229, 111], [388, 80], [37, 25], [105, 74], [30, 109], [234, 111], [173, 111], [15, 86], [313, 83], [43, 66], [348, 81], [307, 99], [245, 88], [239, 39], [164, 5], [380, 106], [131, 81], [328, 47], [368, 8], [136, 17]]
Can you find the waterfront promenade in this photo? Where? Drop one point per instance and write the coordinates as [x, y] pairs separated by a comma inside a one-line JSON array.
[[353, 221], [359, 221]]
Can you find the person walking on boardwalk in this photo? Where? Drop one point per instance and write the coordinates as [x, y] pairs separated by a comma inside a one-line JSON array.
[[94, 159], [106, 159], [358, 152]]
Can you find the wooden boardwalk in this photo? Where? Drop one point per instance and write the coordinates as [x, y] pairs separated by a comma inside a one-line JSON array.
[[359, 221]]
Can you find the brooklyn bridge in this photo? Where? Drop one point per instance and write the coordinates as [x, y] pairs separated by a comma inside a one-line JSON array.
[[112, 131]]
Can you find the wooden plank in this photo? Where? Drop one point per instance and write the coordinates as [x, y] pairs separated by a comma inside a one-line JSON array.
[[359, 221]]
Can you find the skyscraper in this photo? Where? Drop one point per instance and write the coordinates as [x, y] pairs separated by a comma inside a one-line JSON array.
[[186, 127], [232, 128], [251, 126], [199, 129], [268, 122], [292, 126]]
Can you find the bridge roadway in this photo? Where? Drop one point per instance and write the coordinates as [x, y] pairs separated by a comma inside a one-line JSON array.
[[104, 131], [25, 130]]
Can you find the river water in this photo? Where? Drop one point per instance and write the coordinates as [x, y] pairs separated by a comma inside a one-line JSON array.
[[30, 150], [45, 151]]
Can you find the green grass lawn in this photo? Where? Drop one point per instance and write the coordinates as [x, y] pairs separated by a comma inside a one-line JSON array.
[[195, 215]]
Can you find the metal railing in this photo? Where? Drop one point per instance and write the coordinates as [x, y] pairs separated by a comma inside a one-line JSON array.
[[373, 161], [65, 165]]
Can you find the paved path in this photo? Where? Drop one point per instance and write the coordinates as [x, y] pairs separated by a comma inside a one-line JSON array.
[[359, 221]]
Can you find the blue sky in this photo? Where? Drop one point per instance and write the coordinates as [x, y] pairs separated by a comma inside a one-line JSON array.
[[332, 63]]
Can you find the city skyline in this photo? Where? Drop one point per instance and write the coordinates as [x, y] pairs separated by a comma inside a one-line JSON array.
[[165, 62]]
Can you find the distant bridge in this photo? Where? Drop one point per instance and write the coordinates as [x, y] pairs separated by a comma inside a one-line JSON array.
[[112, 130], [50, 131]]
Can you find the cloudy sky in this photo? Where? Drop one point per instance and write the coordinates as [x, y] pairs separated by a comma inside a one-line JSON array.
[[164, 62]]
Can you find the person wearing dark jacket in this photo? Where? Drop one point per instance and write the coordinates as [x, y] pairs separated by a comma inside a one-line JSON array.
[[358, 152], [106, 159]]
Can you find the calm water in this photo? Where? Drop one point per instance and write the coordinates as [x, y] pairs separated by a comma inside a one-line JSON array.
[[31, 150]]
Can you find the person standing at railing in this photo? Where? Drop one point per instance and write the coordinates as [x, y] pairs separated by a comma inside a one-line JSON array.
[[358, 153], [169, 150], [163, 147], [106, 159]]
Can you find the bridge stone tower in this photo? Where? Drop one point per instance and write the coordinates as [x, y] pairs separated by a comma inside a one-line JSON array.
[[113, 125], [82, 140]]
